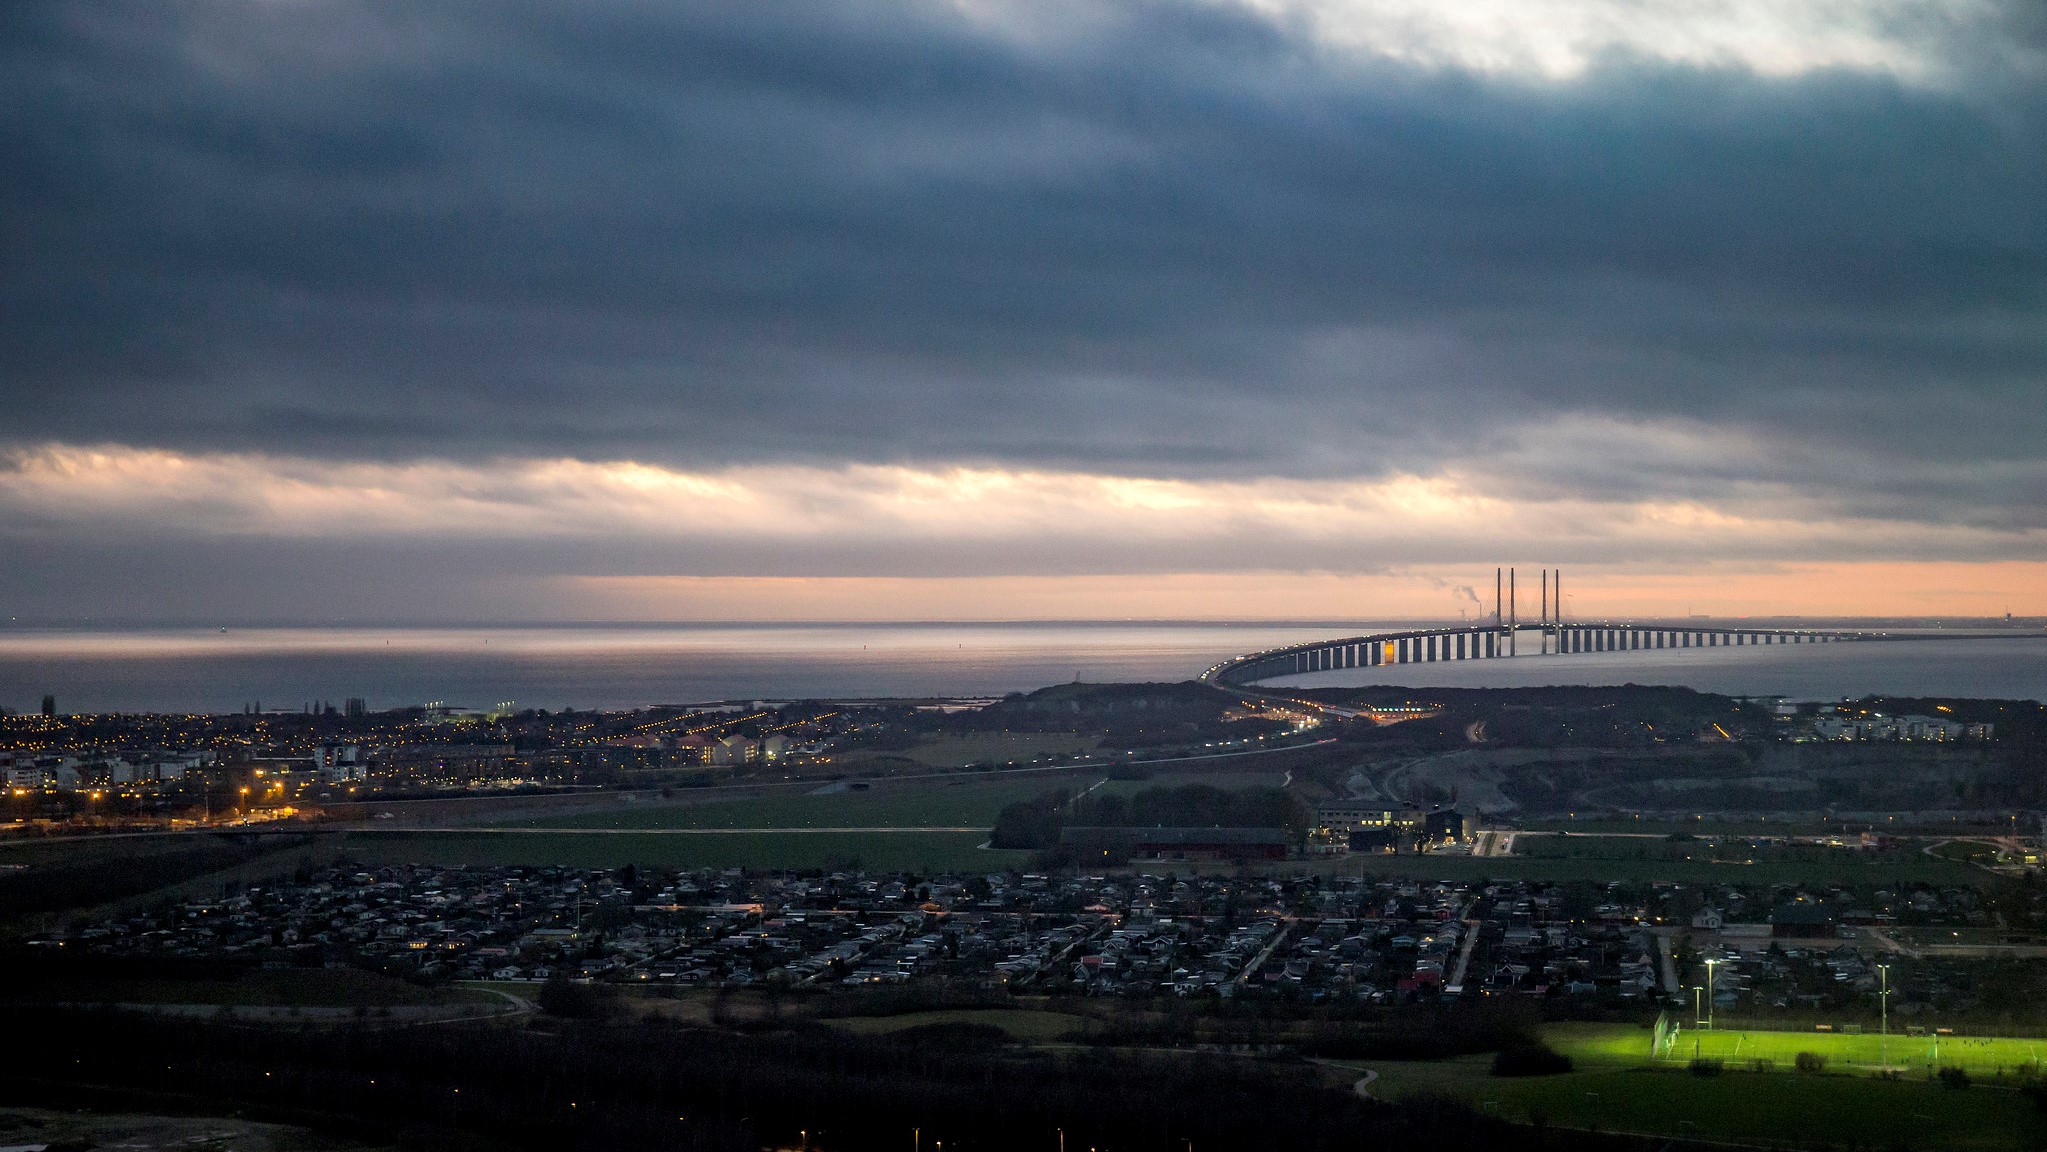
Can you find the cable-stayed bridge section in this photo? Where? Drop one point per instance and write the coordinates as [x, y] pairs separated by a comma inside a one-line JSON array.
[[1503, 637]]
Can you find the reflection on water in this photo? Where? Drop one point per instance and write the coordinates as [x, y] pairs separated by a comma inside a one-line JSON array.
[[626, 666]]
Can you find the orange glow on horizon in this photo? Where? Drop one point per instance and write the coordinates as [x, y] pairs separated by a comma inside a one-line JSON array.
[[1911, 588]]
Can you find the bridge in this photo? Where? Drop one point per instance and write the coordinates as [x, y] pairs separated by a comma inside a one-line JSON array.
[[1503, 637], [1493, 642]]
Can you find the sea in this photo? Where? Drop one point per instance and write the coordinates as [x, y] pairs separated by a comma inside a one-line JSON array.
[[186, 669]]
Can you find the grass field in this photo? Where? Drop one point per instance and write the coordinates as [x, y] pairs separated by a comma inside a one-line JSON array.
[[1616, 1086], [940, 803], [888, 851], [1981, 1056], [997, 748], [1781, 1108], [1965, 851]]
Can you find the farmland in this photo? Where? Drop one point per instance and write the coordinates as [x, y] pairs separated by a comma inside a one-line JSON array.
[[932, 803]]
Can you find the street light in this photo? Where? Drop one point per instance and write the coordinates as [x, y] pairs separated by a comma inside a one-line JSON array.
[[1883, 1000], [1709, 994]]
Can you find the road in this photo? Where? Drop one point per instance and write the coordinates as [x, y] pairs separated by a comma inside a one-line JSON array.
[[1471, 931], [1265, 954]]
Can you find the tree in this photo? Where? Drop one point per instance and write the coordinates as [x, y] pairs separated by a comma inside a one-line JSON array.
[[560, 996]]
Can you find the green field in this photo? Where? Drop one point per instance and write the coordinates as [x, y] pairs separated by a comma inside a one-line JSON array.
[[885, 851], [965, 748], [1981, 1056], [1616, 1086], [931, 803], [1965, 851]]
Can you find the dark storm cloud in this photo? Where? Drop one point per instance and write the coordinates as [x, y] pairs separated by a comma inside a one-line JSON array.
[[1185, 241]]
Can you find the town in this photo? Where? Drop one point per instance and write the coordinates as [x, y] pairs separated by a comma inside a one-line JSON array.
[[139, 771], [1295, 938]]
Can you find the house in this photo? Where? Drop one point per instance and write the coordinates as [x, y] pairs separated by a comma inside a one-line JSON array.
[[1445, 824]]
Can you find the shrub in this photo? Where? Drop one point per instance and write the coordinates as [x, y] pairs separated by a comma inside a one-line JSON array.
[[1706, 1066], [1762, 1064], [1531, 1059], [1809, 1062], [1952, 1077]]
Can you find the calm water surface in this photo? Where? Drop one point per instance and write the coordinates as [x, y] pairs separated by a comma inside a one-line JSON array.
[[626, 666]]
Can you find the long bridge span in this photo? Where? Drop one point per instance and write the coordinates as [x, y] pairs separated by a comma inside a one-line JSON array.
[[1494, 641], [1504, 635]]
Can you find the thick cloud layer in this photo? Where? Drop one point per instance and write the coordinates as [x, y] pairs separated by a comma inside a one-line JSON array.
[[1784, 262]]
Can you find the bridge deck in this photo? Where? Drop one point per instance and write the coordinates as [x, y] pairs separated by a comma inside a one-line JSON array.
[[1492, 642]]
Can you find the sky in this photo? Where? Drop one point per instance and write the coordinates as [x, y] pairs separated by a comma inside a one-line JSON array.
[[1020, 309]]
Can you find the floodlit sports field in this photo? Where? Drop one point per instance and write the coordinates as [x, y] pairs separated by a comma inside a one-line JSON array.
[[1618, 1086], [1980, 1055]]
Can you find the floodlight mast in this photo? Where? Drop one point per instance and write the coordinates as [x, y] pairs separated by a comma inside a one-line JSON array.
[[1884, 1019], [1709, 993]]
